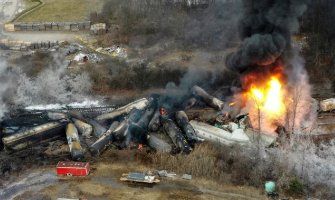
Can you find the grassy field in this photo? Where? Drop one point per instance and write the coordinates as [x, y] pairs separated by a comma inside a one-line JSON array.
[[63, 10], [30, 3]]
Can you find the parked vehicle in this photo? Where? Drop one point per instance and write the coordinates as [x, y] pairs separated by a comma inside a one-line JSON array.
[[73, 168]]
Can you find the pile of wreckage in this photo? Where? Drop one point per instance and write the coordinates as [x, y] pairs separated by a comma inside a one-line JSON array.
[[145, 121]]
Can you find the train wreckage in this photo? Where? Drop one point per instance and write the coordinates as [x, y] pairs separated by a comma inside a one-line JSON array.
[[147, 121]]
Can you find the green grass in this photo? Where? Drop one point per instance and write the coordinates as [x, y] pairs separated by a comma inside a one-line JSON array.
[[30, 5], [62, 10]]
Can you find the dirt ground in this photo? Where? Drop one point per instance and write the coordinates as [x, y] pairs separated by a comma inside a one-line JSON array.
[[103, 183]]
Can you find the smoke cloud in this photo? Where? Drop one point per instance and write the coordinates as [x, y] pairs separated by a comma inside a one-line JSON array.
[[265, 29], [54, 84], [6, 81]]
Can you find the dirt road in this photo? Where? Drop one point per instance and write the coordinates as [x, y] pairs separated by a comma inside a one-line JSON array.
[[103, 183]]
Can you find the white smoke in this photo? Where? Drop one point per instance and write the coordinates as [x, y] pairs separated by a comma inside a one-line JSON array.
[[8, 79], [301, 110], [84, 104], [55, 84], [314, 164], [3, 88]]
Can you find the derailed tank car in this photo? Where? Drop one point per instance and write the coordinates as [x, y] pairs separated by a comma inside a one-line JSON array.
[[33, 136], [72, 137]]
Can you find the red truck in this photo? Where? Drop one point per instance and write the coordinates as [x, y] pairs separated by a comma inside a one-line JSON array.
[[71, 168]]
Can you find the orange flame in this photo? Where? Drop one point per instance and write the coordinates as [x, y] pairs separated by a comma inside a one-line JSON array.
[[266, 98], [140, 147], [265, 90], [269, 97], [232, 104]]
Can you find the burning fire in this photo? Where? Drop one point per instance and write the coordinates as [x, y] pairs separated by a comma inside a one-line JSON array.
[[232, 104], [265, 99], [269, 97]]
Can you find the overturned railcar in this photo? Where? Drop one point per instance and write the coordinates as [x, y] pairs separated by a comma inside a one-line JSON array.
[[158, 144], [83, 128], [140, 104], [208, 99], [100, 145], [73, 140], [186, 127], [176, 135], [28, 138]]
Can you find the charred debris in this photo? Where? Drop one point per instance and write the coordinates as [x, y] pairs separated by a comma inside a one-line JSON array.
[[160, 122]]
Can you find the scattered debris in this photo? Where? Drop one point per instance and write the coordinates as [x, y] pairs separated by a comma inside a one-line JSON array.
[[139, 178], [214, 134], [115, 51], [327, 105], [186, 176], [82, 58], [57, 148], [164, 173]]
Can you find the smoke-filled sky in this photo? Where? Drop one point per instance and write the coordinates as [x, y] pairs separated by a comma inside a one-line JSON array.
[[265, 30]]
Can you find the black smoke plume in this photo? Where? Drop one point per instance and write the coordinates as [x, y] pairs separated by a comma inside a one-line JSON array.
[[265, 29]]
